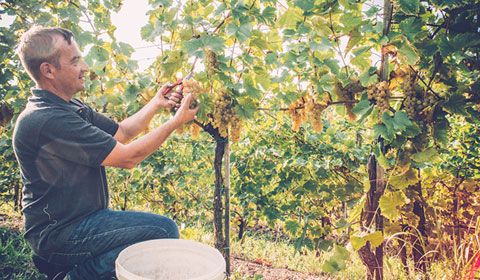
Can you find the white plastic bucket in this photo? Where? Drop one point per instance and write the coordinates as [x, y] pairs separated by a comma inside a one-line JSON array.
[[170, 259]]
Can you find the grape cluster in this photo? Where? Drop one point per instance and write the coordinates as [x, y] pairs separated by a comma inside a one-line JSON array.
[[314, 110], [235, 128], [194, 130], [308, 106], [191, 86], [297, 113], [417, 104], [350, 90], [211, 62], [347, 95], [379, 93], [224, 117]]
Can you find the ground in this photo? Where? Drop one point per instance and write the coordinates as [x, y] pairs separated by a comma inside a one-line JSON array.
[[241, 268], [261, 268]]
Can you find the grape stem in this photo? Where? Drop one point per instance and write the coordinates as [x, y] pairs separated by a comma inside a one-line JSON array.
[[428, 87]]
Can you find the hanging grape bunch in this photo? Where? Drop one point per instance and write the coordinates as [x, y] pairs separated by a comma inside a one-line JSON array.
[[211, 62], [192, 86], [347, 95], [417, 104], [315, 109], [380, 94], [224, 117], [311, 107], [297, 113]]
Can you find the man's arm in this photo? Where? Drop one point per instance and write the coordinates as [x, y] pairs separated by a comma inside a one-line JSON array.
[[129, 155], [138, 122]]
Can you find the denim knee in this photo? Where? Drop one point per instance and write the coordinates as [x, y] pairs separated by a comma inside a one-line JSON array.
[[172, 228], [169, 228]]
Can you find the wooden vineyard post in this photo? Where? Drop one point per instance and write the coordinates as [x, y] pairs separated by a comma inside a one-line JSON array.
[[371, 214], [227, 207], [217, 197]]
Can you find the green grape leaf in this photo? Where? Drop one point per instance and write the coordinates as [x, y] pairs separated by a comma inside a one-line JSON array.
[[305, 5], [367, 79], [246, 107], [411, 27], [268, 15], [401, 121], [242, 32], [383, 131], [405, 179], [362, 61], [362, 109], [440, 131], [292, 226], [456, 104], [428, 155], [355, 37], [408, 54], [409, 6], [197, 45]]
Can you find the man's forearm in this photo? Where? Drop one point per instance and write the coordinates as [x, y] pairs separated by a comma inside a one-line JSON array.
[[138, 122], [144, 146], [129, 155]]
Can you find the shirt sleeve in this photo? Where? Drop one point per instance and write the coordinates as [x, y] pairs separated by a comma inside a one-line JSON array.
[[104, 123], [68, 136]]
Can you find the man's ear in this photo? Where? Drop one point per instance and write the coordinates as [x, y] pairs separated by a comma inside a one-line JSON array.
[[47, 70]]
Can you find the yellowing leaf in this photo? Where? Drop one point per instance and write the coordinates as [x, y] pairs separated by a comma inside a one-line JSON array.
[[357, 242], [375, 238], [389, 204], [290, 18], [405, 179]]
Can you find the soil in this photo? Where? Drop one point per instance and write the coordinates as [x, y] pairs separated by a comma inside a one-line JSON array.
[[264, 269]]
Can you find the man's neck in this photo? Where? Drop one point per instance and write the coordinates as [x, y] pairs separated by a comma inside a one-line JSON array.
[[51, 88]]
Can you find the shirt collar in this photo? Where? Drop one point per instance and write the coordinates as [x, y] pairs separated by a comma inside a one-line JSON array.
[[50, 97]]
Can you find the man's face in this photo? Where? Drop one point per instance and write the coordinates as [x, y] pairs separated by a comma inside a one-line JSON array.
[[70, 76]]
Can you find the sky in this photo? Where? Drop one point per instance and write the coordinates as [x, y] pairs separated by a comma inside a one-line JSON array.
[[129, 20]]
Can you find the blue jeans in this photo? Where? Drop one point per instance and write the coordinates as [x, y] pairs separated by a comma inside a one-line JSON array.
[[98, 239]]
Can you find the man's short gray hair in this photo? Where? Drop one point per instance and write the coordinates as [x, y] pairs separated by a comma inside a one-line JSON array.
[[37, 46]]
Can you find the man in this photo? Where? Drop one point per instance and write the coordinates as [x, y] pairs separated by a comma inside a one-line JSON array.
[[62, 147]]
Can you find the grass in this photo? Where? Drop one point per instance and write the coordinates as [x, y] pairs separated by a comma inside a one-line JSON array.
[[282, 254], [15, 257]]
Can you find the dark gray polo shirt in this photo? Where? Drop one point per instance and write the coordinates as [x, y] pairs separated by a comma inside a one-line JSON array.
[[59, 146]]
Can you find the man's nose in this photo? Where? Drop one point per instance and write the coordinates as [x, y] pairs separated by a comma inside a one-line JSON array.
[[85, 67]]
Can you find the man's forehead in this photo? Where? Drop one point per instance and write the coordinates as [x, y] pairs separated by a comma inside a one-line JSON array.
[[69, 49]]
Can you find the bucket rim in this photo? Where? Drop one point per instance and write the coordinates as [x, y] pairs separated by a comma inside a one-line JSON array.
[[169, 243]]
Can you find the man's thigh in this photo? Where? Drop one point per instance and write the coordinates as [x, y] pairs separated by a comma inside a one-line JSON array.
[[106, 230]]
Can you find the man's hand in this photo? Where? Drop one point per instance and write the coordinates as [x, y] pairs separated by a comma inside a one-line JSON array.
[[185, 114], [167, 97]]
